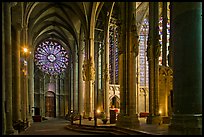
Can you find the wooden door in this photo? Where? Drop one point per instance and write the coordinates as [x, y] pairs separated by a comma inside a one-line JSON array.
[[50, 104]]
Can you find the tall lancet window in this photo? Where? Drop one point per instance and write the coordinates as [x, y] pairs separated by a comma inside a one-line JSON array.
[[160, 40], [113, 54], [51, 57], [144, 69]]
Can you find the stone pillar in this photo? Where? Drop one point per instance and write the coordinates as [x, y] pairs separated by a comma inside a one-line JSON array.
[[69, 89], [164, 33], [186, 32], [8, 68], [16, 76], [61, 98], [96, 47], [128, 51], [57, 94], [66, 90], [170, 55], [106, 76], [153, 53], [89, 78], [44, 90], [25, 76], [80, 76], [31, 84], [3, 73], [41, 96], [75, 91]]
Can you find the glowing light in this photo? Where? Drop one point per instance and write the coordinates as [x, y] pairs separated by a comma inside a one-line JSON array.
[[25, 50], [98, 111], [160, 112]]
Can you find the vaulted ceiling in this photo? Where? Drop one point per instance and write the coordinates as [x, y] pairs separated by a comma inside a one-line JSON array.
[[63, 20]]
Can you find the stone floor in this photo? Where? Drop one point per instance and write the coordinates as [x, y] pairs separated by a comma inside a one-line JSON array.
[[55, 126], [52, 126], [146, 128]]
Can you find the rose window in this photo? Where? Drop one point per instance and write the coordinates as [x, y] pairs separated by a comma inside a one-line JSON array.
[[51, 57]]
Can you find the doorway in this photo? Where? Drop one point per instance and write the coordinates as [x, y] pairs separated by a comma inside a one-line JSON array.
[[50, 104]]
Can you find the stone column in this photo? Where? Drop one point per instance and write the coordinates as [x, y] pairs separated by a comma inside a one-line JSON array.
[[44, 90], [75, 91], [57, 94], [24, 77], [42, 96], [164, 33], [186, 32], [8, 68], [128, 51], [31, 84], [61, 98], [170, 55], [3, 73], [153, 53], [96, 47], [80, 76], [66, 90], [16, 76], [89, 78], [106, 76], [69, 89]]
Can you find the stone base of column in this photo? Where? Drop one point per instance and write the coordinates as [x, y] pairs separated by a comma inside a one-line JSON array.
[[12, 132], [154, 120], [186, 125], [128, 121], [30, 120]]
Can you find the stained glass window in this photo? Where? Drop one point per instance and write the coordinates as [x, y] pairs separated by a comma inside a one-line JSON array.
[[160, 40], [51, 57], [113, 55], [144, 67]]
